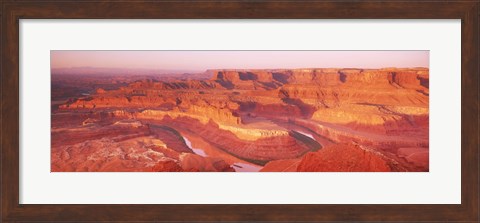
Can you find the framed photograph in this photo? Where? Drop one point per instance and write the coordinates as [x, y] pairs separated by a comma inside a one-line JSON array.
[[239, 111]]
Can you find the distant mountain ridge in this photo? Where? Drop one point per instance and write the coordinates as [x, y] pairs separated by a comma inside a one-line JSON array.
[[116, 71]]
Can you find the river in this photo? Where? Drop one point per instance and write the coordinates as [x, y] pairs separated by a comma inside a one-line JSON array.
[[306, 134], [197, 151]]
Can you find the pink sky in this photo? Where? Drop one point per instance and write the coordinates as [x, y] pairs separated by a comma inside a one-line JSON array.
[[203, 60]]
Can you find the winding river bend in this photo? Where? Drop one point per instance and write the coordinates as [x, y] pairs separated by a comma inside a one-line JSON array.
[[196, 144], [238, 166]]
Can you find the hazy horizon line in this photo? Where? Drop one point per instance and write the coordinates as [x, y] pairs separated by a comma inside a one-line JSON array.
[[205, 70]]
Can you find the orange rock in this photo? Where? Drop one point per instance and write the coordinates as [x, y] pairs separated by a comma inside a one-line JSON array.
[[195, 163], [343, 158], [166, 166], [289, 165], [417, 156]]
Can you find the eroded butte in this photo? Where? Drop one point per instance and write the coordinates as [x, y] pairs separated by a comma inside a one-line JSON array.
[[243, 120]]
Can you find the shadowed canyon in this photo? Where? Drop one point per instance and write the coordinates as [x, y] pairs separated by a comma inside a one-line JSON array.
[[267, 120]]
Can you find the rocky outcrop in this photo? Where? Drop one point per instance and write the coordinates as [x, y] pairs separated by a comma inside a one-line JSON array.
[[196, 163], [160, 149], [417, 156], [203, 115], [289, 165], [93, 131], [344, 158], [166, 166], [106, 155]]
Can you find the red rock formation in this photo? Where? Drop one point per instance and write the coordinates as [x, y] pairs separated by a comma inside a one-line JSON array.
[[167, 166], [196, 163], [343, 158], [116, 132], [417, 156], [290, 165], [106, 155]]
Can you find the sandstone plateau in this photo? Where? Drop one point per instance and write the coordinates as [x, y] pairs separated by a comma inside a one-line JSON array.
[[271, 120]]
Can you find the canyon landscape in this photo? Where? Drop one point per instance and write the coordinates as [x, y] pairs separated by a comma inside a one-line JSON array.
[[316, 118]]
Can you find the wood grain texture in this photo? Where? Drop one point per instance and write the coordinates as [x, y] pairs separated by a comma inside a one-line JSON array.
[[12, 11]]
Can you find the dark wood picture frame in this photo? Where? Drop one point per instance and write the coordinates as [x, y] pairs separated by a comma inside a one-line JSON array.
[[12, 11]]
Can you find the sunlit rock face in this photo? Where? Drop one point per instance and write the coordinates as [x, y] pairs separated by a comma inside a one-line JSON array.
[[344, 158], [316, 119]]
